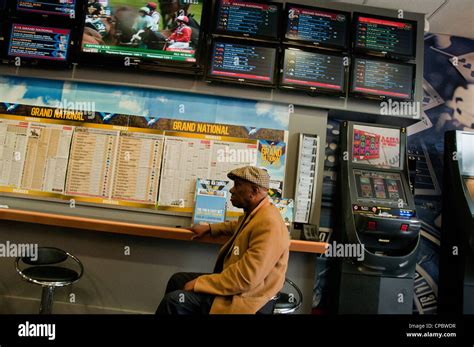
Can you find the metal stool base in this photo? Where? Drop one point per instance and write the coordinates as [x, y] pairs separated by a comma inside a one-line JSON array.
[[47, 295]]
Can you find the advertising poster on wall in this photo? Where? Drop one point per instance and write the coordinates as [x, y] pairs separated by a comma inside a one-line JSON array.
[[271, 157], [286, 208]]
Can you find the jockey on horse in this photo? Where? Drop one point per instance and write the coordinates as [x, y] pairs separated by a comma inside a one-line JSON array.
[[146, 30], [181, 37]]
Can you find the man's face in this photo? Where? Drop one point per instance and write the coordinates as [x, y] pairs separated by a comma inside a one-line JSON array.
[[241, 193]]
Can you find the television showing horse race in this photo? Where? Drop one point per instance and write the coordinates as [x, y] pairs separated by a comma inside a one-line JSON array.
[[165, 29]]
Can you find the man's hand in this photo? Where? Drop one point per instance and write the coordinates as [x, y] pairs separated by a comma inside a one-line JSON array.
[[189, 286], [200, 230]]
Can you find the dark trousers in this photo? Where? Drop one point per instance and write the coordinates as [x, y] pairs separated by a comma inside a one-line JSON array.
[[179, 301]]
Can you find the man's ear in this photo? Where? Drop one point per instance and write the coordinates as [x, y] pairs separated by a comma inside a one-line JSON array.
[[255, 189]]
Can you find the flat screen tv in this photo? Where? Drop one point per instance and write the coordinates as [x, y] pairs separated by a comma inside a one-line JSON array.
[[384, 36], [313, 71], [63, 8], [247, 19], [131, 33], [317, 27], [381, 79], [239, 62], [35, 43]]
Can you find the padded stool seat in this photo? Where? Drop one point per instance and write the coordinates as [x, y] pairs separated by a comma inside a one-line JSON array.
[[284, 302], [287, 303], [50, 270], [51, 274]]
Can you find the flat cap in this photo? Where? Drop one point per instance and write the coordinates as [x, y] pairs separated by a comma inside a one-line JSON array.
[[252, 174]]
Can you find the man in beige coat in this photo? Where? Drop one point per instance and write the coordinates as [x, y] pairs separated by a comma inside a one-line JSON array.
[[250, 268]]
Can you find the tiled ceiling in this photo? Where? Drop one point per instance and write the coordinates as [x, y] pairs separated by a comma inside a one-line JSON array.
[[454, 17]]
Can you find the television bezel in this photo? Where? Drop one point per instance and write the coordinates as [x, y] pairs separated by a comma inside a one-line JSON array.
[[221, 33], [377, 53], [243, 81], [33, 61], [312, 44], [52, 17], [365, 95], [162, 65], [321, 90]]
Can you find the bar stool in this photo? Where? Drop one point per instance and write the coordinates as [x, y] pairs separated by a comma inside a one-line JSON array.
[[287, 303], [49, 272]]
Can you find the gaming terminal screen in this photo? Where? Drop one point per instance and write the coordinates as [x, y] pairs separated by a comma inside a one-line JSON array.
[[376, 146], [379, 185]]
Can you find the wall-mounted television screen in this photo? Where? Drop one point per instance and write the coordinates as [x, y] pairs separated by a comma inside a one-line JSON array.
[[376, 146], [317, 26], [167, 31], [39, 42], [240, 62], [382, 79], [378, 185], [313, 71], [248, 19], [385, 36], [54, 7]]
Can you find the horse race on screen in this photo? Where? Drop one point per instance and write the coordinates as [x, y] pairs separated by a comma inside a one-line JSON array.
[[164, 29]]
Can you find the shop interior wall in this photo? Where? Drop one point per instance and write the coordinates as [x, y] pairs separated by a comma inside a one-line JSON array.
[[118, 283]]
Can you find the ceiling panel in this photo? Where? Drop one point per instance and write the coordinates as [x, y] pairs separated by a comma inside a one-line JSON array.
[[454, 18], [420, 6]]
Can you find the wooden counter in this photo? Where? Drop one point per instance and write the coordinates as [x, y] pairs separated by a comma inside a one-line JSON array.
[[132, 228]]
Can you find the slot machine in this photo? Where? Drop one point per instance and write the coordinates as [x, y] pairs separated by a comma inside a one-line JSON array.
[[379, 222], [456, 282]]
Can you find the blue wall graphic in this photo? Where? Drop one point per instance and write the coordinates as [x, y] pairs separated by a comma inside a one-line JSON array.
[[144, 102]]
